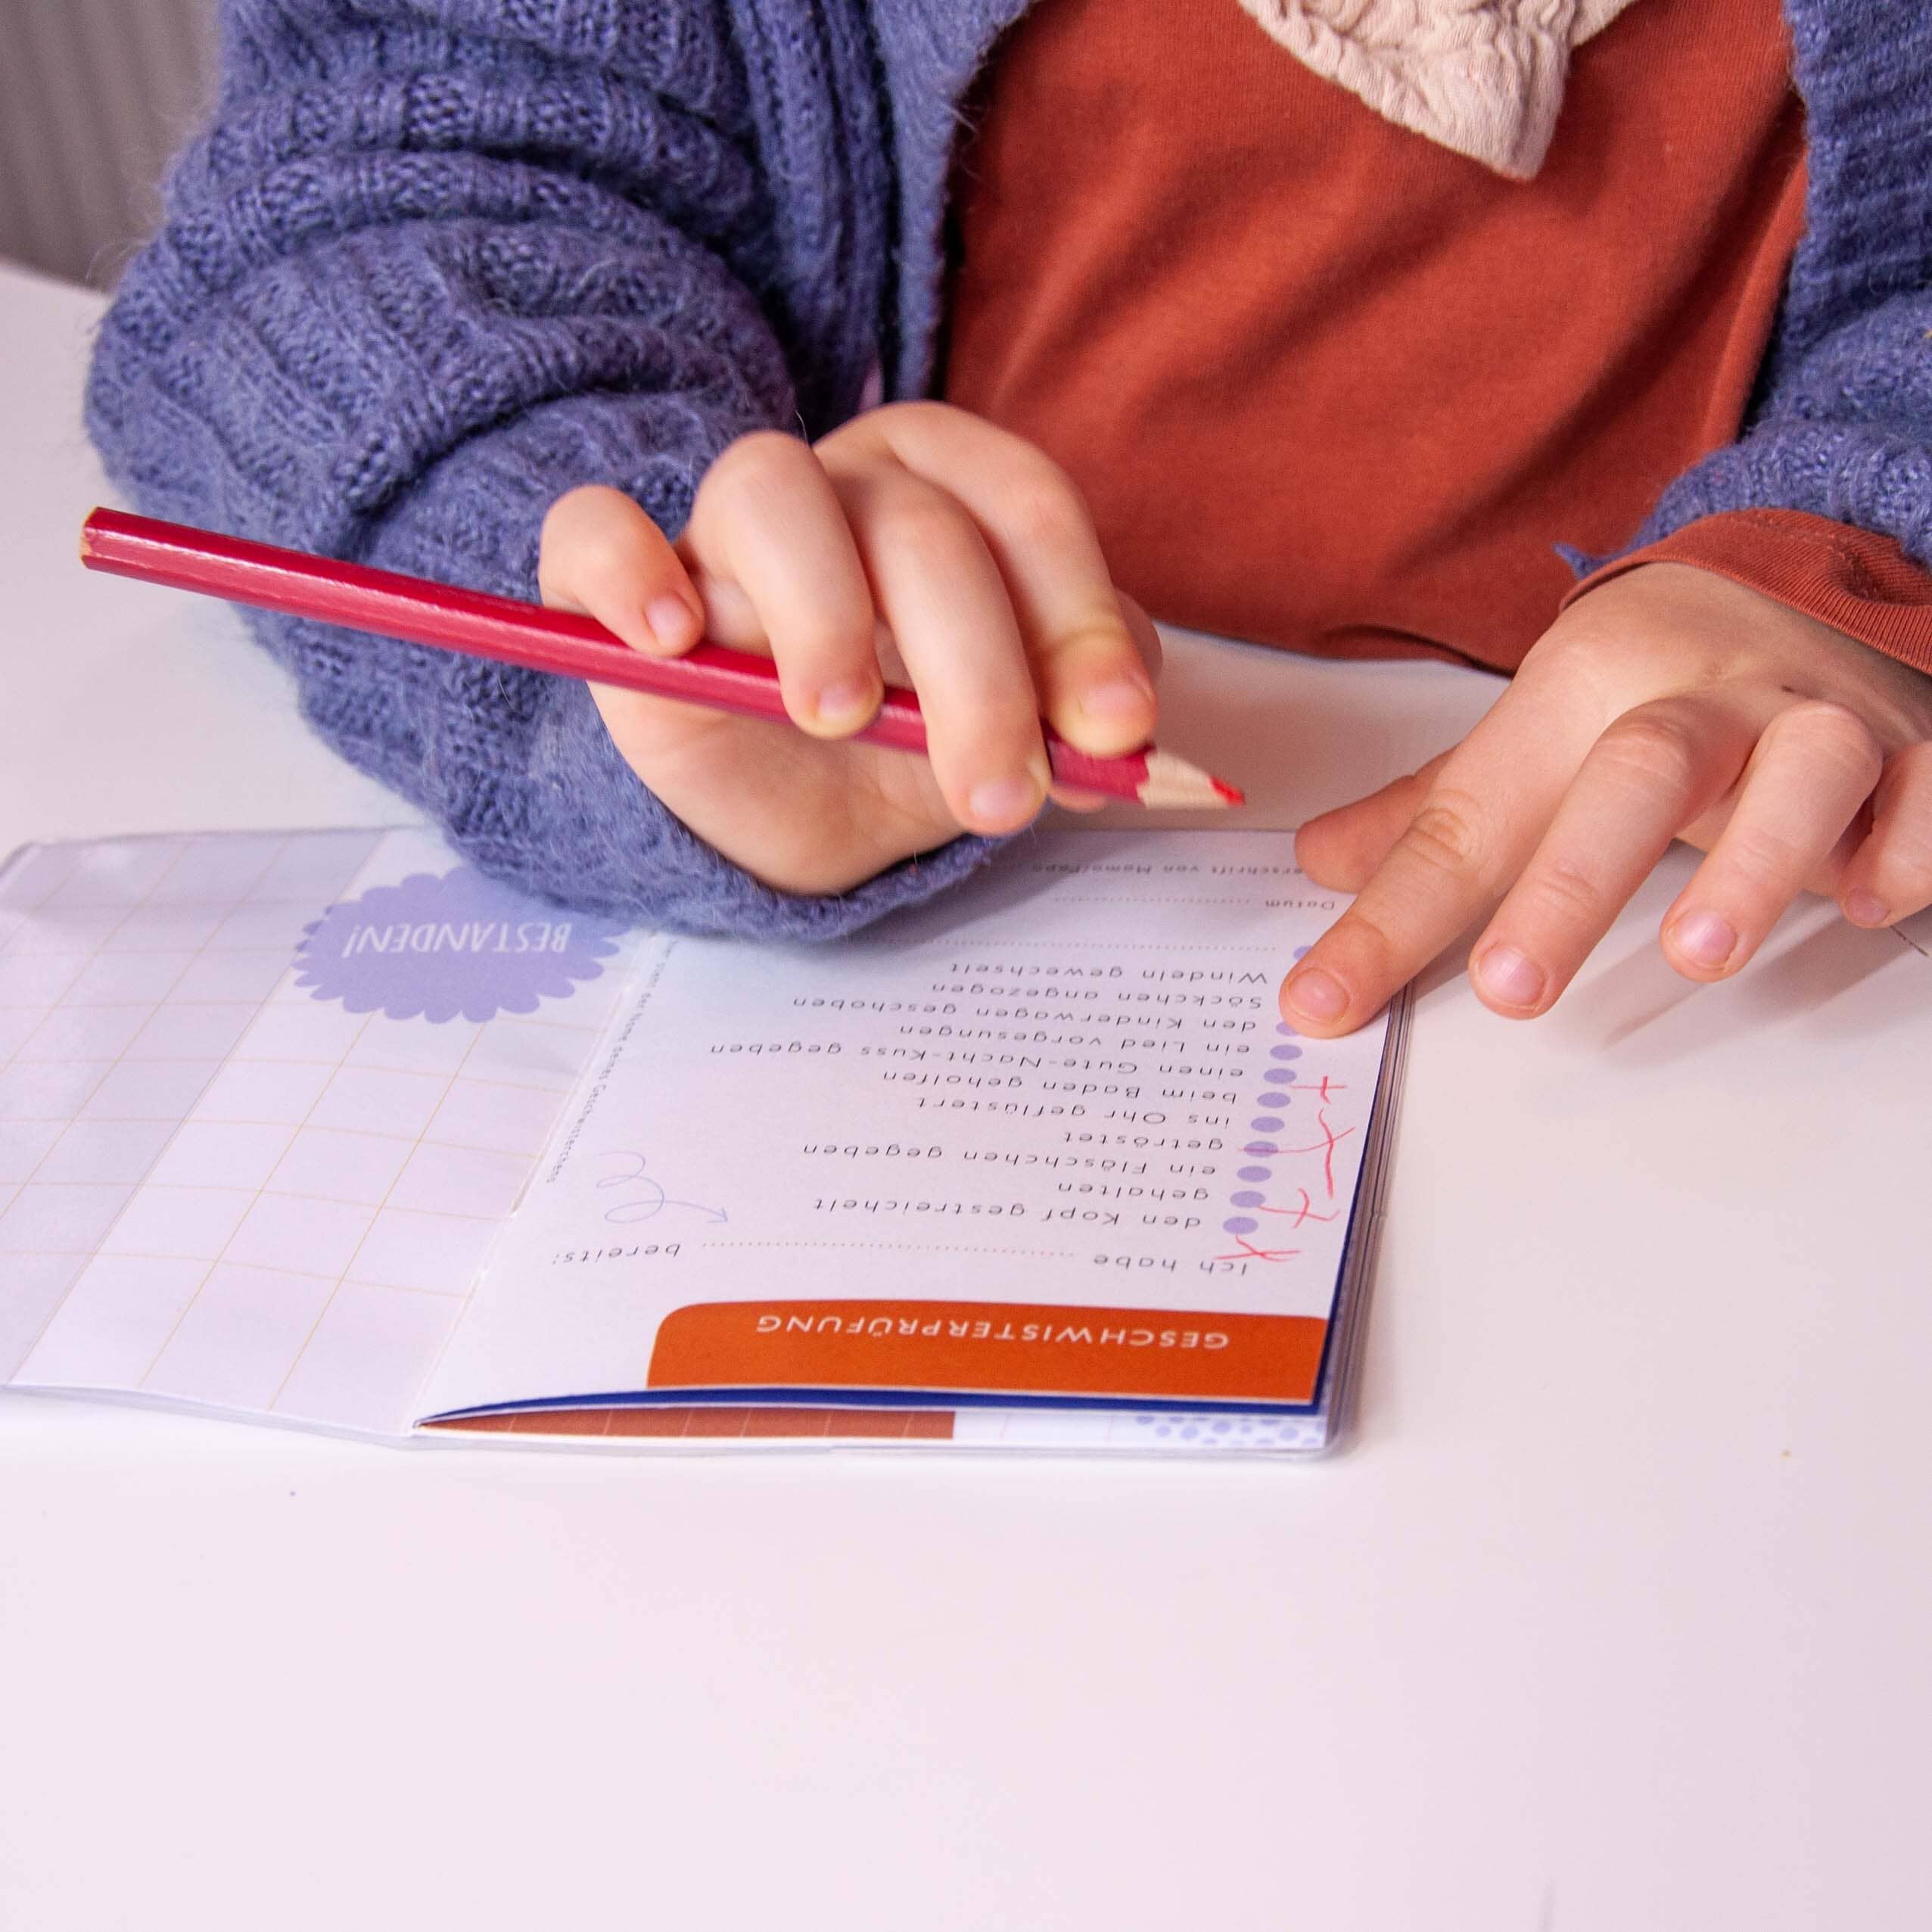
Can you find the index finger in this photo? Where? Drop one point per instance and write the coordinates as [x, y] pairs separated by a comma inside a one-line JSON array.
[[1092, 678], [1473, 833], [777, 564]]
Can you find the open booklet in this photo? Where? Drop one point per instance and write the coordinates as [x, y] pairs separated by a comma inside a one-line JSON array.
[[327, 1129]]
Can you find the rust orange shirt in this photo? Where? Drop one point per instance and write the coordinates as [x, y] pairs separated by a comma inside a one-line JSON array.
[[1329, 385]]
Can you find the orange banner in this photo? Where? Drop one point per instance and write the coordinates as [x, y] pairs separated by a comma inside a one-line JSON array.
[[990, 1348]]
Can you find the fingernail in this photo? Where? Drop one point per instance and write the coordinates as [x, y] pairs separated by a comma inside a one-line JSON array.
[[1316, 996], [1121, 699], [1861, 909], [1510, 977], [1704, 939], [673, 623], [1004, 801], [852, 700]]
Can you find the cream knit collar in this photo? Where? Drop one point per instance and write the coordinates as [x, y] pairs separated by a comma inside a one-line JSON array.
[[1485, 77]]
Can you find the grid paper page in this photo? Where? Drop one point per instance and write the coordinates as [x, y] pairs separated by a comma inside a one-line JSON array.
[[220, 1187]]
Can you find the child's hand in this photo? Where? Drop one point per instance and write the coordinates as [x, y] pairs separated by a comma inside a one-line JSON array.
[[916, 542], [1669, 703]]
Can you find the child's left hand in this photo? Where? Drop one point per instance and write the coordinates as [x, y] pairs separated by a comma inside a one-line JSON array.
[[1669, 703]]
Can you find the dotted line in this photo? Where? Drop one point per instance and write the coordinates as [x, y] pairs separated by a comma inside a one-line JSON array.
[[915, 1247]]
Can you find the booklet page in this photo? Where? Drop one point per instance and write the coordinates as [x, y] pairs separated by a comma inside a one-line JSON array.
[[1048, 1138]]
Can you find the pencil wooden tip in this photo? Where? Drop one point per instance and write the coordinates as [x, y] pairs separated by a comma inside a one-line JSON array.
[[1231, 794], [1173, 783]]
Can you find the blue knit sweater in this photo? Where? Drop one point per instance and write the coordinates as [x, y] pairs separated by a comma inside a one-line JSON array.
[[437, 261]]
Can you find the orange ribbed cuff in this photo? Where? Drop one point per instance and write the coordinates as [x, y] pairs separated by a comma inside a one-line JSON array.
[[1857, 582]]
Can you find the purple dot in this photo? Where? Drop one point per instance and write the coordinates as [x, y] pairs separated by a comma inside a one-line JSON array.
[[1285, 1028], [1272, 1100], [1266, 1150], [1265, 1124], [1256, 1174], [1284, 1052], [1249, 1197], [1301, 952], [1240, 1224]]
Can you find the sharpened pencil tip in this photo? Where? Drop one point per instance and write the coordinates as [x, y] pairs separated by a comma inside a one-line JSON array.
[[1174, 784]]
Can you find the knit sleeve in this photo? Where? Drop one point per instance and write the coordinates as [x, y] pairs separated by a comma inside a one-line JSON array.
[[435, 263], [1843, 427]]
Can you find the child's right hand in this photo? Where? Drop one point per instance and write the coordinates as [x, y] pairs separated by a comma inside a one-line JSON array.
[[916, 543]]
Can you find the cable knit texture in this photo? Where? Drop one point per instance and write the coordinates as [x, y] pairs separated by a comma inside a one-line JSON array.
[[1483, 77], [437, 261]]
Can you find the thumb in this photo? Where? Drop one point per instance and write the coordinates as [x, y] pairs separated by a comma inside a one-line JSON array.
[[603, 556]]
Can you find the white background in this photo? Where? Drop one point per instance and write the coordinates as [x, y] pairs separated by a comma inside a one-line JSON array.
[[1614, 1618]]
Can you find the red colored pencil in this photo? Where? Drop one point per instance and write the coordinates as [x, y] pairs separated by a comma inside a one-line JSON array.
[[419, 611]]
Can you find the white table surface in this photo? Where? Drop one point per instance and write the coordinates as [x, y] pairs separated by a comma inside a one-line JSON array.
[[1615, 1618]]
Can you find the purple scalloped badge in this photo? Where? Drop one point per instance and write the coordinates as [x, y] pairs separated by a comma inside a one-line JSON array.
[[454, 946]]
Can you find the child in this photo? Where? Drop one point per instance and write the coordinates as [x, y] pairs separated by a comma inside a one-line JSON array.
[[1316, 321]]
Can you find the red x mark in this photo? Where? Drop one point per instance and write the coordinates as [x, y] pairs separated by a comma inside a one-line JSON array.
[[1305, 1212], [1326, 1147], [1327, 1086], [1249, 1251]]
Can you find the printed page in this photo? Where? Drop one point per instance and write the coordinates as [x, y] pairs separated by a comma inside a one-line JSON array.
[[264, 1101], [1047, 1138]]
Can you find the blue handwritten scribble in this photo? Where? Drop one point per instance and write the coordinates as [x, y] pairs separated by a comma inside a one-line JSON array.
[[648, 1197]]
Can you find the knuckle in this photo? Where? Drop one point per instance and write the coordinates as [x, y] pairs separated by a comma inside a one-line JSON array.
[[755, 464], [1656, 747], [1761, 856], [1563, 889], [919, 414], [1043, 512], [823, 641], [919, 522], [1834, 734], [1090, 647], [1902, 865], [1362, 945], [1574, 642], [1444, 835]]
